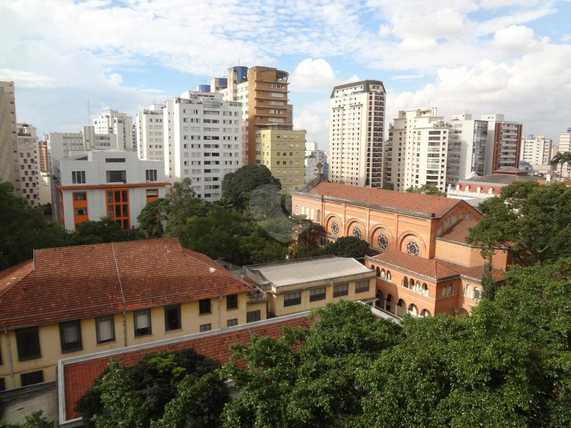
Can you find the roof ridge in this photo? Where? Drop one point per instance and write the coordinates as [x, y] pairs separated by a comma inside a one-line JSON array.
[[123, 299]]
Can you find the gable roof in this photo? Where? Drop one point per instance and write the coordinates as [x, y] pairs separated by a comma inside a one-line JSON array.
[[410, 203], [434, 269], [88, 281], [461, 231]]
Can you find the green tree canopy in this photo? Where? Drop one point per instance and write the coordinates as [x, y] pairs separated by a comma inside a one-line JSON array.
[[348, 246], [534, 220], [238, 186]]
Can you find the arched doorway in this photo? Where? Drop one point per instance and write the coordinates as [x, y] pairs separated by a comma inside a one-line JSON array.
[[413, 310], [389, 303], [401, 308]]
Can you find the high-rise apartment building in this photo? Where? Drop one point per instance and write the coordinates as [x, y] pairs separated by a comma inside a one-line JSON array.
[[150, 133], [8, 132], [202, 140], [27, 163], [356, 133], [504, 143], [419, 146], [263, 93], [118, 124], [44, 158], [537, 150], [467, 148], [283, 153], [565, 141]]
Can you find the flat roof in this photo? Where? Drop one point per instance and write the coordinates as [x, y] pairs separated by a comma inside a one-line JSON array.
[[284, 274]]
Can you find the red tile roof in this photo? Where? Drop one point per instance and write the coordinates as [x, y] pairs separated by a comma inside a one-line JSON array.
[[87, 281], [435, 269], [433, 206], [80, 376], [461, 231]]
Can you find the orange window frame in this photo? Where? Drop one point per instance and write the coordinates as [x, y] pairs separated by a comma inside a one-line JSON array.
[[80, 203], [118, 206]]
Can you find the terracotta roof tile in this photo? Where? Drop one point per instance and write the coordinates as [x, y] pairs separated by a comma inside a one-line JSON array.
[[80, 376], [433, 268], [461, 231], [434, 206], [87, 281]]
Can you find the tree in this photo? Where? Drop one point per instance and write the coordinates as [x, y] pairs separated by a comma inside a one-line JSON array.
[[560, 159], [532, 219], [153, 217], [24, 229], [238, 186], [105, 230], [426, 189], [153, 389], [348, 246], [307, 377], [181, 204]]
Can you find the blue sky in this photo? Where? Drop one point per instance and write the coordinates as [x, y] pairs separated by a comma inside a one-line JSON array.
[[512, 57]]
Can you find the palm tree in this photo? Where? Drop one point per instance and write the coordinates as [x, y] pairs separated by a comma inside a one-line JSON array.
[[560, 159]]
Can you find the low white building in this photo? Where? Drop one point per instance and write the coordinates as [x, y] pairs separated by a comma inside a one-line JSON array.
[[537, 151], [98, 184], [202, 141]]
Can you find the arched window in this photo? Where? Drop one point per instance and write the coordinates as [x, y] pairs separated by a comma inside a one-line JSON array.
[[425, 313], [389, 303], [378, 271], [389, 275], [380, 299], [405, 282], [382, 242], [334, 228], [383, 276], [413, 310], [401, 307], [357, 232], [425, 289]]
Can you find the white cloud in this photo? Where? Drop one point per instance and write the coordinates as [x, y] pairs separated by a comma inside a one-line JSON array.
[[312, 75], [27, 79], [515, 37], [314, 118]]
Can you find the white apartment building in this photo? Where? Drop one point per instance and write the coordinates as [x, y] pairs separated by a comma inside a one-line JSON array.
[[467, 148], [150, 133], [118, 124], [356, 133], [565, 141], [98, 184], [537, 151], [419, 140], [8, 132], [203, 140], [27, 163], [504, 143]]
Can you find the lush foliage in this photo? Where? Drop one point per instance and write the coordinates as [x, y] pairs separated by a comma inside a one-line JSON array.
[[534, 220], [426, 189], [163, 390], [238, 186], [35, 420]]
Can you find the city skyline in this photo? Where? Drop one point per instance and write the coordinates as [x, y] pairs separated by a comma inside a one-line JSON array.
[[478, 57]]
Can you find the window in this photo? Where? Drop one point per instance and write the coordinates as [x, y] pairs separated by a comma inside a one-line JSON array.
[[118, 207], [204, 306], [383, 242], [232, 322], [116, 176], [292, 298], [340, 290], [28, 343], [253, 316], [32, 378], [357, 232], [316, 294], [151, 174], [2, 384], [335, 228], [231, 302], [362, 286], [172, 317], [79, 196], [115, 160], [205, 327], [477, 293], [105, 329], [143, 322], [78, 177], [70, 336], [412, 248]]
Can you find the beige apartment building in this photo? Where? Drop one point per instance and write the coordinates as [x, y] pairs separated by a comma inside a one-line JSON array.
[[8, 131], [292, 287], [283, 153], [79, 300]]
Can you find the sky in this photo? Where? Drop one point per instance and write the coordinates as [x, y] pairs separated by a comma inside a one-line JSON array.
[[476, 56]]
